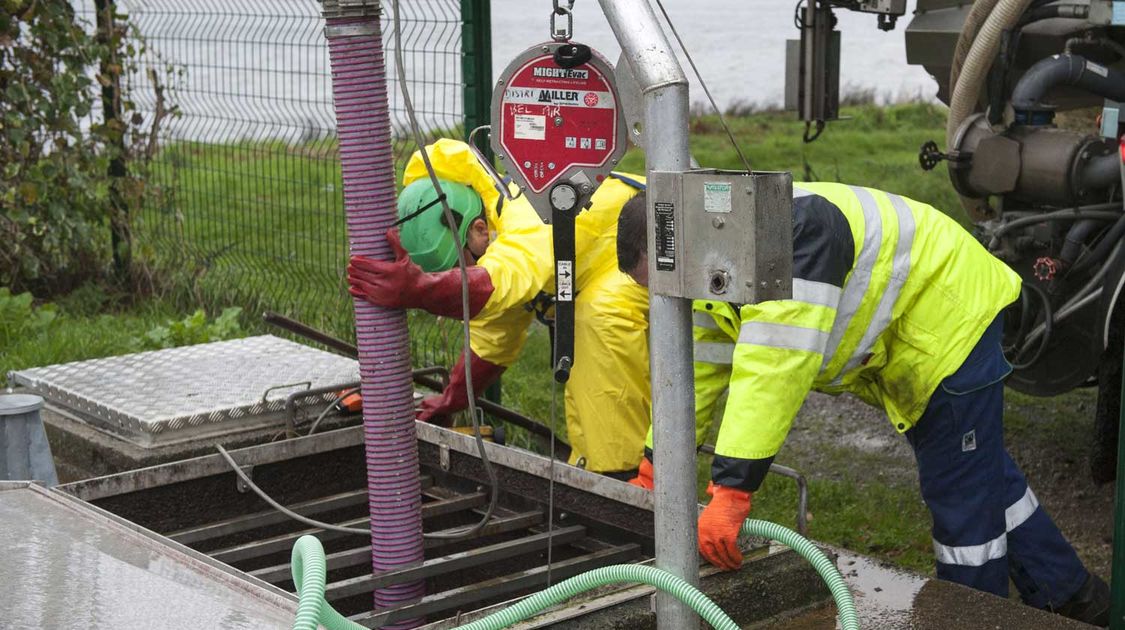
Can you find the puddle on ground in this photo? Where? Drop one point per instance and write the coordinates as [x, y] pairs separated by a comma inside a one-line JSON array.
[[878, 585], [887, 598], [884, 598]]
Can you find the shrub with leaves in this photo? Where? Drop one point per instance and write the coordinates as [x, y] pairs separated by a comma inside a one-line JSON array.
[[19, 317], [56, 198], [52, 193], [195, 328]]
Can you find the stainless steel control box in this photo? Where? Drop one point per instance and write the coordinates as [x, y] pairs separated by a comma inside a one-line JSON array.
[[721, 235]]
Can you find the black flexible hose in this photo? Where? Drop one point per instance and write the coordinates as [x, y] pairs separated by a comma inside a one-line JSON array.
[[1076, 238], [1048, 325], [1025, 326], [1065, 69], [1103, 211], [1102, 249]]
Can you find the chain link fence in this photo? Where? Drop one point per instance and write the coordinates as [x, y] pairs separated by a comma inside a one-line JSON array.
[[243, 201]]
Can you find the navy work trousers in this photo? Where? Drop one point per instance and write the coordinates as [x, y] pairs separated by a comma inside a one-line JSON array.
[[988, 525]]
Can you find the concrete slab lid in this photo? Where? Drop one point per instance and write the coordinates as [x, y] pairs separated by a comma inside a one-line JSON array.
[[19, 404], [79, 567]]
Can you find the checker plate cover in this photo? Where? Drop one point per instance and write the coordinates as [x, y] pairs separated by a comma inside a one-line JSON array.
[[166, 392]]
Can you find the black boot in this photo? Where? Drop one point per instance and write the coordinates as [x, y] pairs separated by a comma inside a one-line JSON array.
[[1090, 604]]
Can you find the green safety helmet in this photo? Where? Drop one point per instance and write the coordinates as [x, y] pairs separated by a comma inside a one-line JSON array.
[[422, 226]]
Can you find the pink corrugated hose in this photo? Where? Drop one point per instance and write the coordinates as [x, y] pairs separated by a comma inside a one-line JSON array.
[[394, 489]]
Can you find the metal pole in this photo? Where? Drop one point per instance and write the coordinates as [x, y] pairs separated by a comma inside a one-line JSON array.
[[1117, 579], [665, 90]]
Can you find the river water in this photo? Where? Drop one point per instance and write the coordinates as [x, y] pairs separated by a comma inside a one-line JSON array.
[[259, 68], [738, 45]]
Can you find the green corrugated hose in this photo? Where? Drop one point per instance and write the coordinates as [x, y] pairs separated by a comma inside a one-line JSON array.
[[310, 571], [309, 576], [845, 605]]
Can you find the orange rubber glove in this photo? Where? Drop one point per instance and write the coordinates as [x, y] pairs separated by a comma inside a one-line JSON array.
[[720, 523], [644, 475]]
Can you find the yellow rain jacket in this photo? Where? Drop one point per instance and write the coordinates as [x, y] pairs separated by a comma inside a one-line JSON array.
[[889, 297], [607, 396]]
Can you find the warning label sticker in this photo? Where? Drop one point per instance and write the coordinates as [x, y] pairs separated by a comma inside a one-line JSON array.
[[530, 127], [534, 96], [553, 120], [665, 236], [565, 281], [716, 196]]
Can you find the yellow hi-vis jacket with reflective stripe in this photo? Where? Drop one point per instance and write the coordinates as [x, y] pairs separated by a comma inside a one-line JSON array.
[[607, 396], [889, 297]]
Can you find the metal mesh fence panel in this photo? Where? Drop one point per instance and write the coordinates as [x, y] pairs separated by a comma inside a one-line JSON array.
[[243, 200]]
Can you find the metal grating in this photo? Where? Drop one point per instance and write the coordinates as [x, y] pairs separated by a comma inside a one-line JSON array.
[[197, 503]]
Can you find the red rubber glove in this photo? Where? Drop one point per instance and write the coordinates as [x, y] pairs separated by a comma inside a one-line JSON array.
[[644, 475], [454, 398], [403, 284], [720, 523]]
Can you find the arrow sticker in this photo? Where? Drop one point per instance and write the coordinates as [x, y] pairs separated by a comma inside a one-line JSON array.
[[564, 278]]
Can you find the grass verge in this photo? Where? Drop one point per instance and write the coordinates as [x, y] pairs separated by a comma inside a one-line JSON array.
[[261, 226]]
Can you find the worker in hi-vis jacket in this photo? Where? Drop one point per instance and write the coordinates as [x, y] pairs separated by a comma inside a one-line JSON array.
[[511, 258], [894, 302]]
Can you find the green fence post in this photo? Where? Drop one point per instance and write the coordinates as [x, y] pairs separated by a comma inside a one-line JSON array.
[[1117, 579], [120, 239], [476, 67], [476, 75]]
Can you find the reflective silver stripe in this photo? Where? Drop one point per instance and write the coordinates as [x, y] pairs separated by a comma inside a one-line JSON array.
[[1021, 510], [800, 192], [972, 555], [900, 269], [711, 352], [703, 320], [976, 555], [783, 336], [819, 293], [856, 285]]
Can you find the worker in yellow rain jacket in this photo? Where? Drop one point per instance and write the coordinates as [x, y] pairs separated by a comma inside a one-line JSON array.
[[897, 304], [512, 264]]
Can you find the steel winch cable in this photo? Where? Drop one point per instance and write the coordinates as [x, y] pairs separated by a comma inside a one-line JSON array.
[[551, 485], [328, 409], [279, 507], [462, 264], [706, 90]]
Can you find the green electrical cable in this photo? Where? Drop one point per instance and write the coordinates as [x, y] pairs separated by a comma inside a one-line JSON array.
[[308, 566]]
